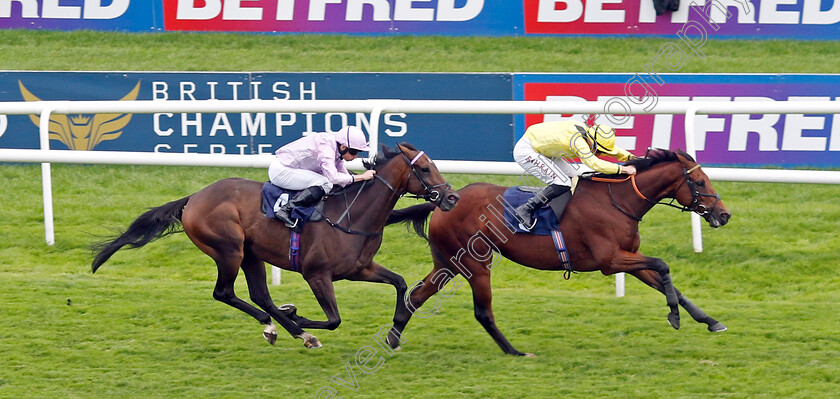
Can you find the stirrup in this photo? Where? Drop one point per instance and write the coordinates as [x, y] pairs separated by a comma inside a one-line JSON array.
[[523, 220], [286, 218], [533, 223]]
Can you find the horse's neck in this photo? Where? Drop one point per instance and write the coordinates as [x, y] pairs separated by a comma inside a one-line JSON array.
[[654, 184], [659, 181], [369, 207]]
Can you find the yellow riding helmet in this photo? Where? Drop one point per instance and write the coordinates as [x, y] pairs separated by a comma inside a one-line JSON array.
[[603, 136]]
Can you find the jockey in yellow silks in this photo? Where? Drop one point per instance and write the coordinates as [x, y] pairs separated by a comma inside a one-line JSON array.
[[545, 152]]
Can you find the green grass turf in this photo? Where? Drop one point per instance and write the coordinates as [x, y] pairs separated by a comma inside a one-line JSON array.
[[146, 324], [102, 51]]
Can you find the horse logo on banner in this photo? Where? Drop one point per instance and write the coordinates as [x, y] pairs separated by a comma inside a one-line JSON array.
[[84, 132]]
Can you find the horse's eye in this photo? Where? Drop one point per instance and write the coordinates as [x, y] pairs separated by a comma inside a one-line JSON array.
[[425, 170], [701, 183]]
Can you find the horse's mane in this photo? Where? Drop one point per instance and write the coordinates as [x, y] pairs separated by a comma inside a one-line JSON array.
[[385, 155], [381, 158], [655, 156]]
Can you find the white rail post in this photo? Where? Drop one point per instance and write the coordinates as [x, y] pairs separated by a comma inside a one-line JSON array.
[[691, 149], [46, 177], [373, 134], [619, 285], [276, 277]]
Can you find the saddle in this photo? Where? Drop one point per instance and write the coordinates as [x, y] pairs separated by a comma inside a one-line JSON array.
[[274, 197], [548, 217]]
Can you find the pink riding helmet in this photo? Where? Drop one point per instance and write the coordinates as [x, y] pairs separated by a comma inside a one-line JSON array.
[[352, 137]]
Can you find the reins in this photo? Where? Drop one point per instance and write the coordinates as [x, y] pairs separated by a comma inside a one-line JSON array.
[[632, 179], [347, 212], [695, 194], [429, 195]]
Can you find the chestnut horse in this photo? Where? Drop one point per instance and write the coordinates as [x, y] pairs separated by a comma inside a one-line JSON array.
[[225, 221], [600, 225]]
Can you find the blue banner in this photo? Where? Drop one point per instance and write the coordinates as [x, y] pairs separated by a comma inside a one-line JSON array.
[[254, 133]]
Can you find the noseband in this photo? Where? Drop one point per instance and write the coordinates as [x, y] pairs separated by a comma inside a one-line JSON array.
[[695, 205], [430, 194]]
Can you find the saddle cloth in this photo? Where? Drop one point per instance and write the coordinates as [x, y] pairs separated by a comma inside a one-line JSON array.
[[547, 217], [274, 197], [547, 220]]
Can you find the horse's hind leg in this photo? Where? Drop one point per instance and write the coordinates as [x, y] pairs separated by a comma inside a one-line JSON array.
[[254, 269], [414, 298], [652, 279], [223, 292], [482, 297]]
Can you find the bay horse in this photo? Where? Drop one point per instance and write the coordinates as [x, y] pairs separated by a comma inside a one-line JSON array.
[[224, 220], [600, 225]]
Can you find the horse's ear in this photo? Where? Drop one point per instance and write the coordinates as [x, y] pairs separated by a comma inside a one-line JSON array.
[[686, 155]]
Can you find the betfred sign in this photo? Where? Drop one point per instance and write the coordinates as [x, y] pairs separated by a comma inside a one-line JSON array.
[[754, 19], [755, 140], [760, 18], [362, 16], [121, 15]]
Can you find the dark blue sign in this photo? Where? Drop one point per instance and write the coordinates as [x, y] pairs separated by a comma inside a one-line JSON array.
[[443, 136]]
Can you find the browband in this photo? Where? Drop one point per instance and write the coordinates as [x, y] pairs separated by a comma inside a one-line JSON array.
[[416, 157]]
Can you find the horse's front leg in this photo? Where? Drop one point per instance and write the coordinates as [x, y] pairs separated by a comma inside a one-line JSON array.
[[652, 279], [322, 287], [376, 273], [632, 262]]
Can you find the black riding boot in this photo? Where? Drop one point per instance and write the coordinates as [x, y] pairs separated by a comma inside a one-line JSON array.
[[525, 211], [307, 197]]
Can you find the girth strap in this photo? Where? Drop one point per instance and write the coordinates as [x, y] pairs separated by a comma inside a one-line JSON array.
[[562, 253]]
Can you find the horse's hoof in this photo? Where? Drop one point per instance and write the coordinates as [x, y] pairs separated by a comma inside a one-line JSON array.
[[717, 327], [530, 355], [312, 343], [674, 321], [309, 340], [271, 337]]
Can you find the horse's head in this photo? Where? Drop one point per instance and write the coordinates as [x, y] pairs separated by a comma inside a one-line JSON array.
[[696, 193], [687, 184], [420, 176]]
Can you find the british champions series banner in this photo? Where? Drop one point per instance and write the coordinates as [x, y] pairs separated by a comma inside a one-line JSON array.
[[253, 133], [696, 19], [742, 140]]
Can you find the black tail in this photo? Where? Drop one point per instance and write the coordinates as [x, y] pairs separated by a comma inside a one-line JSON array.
[[416, 215], [155, 223]]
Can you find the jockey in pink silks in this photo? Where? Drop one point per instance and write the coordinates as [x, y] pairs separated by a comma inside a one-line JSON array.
[[314, 164]]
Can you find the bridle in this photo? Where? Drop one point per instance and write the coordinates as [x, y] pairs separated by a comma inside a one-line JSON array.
[[695, 205], [430, 195]]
